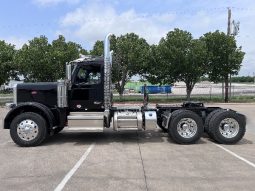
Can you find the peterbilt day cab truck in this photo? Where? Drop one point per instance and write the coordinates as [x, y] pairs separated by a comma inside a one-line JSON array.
[[83, 102]]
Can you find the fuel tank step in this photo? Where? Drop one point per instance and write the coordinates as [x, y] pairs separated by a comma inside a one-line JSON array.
[[84, 129], [86, 121]]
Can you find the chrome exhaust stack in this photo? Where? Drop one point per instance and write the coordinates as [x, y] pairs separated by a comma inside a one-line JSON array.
[[107, 79], [107, 73]]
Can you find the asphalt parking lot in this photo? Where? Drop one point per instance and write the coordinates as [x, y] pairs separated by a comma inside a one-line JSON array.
[[129, 161]]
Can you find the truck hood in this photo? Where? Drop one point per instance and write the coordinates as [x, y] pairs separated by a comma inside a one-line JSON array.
[[42, 92]]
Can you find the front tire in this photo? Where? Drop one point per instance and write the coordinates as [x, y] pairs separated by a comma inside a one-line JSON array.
[[186, 127], [28, 129]]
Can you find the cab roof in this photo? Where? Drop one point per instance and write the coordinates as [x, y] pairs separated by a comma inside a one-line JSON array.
[[89, 58]]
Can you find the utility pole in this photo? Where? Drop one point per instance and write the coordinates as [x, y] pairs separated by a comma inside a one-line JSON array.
[[229, 21], [226, 80]]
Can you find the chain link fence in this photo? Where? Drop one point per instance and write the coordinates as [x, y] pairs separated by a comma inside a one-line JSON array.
[[210, 90], [202, 91]]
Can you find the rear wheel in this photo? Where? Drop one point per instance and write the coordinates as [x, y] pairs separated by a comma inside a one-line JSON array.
[[227, 127], [28, 129], [186, 127], [209, 117]]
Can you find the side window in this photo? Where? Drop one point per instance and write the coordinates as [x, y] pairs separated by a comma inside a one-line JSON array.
[[94, 77], [81, 76], [89, 75]]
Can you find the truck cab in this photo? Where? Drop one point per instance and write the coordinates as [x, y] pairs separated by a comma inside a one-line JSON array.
[[86, 91]]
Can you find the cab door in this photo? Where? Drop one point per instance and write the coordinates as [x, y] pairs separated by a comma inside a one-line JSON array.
[[87, 91]]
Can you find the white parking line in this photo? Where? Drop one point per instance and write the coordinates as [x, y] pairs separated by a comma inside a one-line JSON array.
[[236, 155], [73, 170]]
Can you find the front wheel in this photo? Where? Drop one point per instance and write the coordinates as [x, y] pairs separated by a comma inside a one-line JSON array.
[[28, 129], [186, 127]]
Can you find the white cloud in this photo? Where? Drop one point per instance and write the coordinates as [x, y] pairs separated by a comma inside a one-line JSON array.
[[17, 41], [54, 2], [94, 19], [93, 22]]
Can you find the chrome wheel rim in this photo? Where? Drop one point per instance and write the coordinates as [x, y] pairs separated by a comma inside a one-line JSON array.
[[187, 128], [229, 128], [27, 130]]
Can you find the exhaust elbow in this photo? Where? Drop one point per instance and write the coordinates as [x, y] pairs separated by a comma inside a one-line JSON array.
[[107, 52]]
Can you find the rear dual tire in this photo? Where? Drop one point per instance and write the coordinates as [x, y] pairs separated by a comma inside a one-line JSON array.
[[226, 127], [209, 117], [185, 127]]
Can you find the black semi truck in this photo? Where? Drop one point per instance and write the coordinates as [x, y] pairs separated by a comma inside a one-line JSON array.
[[83, 102]]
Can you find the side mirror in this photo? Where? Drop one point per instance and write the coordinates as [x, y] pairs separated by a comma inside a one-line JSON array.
[[68, 72]]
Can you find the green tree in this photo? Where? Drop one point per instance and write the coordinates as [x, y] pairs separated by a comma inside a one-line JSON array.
[[242, 79], [33, 60], [130, 55], [98, 48], [7, 67], [196, 65], [156, 71], [178, 57], [225, 58], [63, 52], [41, 61]]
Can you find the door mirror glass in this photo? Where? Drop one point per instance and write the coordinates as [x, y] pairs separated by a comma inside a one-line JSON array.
[[69, 72]]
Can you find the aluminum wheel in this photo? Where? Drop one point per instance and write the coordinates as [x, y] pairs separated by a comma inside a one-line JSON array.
[[187, 127], [27, 130], [229, 127]]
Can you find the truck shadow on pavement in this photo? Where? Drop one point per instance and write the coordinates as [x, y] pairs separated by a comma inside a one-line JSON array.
[[81, 138], [243, 141]]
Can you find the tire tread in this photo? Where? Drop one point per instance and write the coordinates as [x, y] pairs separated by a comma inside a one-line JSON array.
[[214, 126], [172, 126], [41, 122]]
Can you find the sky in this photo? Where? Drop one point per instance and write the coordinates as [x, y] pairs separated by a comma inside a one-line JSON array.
[[85, 21]]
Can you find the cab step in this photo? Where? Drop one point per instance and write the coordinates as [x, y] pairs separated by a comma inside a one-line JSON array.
[[86, 121]]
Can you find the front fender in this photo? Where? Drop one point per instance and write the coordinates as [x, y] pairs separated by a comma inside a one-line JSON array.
[[30, 107]]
